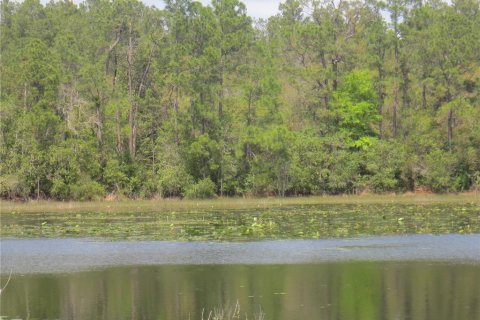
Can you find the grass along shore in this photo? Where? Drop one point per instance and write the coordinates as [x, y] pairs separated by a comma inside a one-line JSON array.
[[160, 205]]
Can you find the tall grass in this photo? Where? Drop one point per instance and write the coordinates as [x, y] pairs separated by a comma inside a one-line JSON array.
[[159, 205]]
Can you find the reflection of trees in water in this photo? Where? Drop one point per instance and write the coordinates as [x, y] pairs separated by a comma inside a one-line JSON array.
[[371, 290]]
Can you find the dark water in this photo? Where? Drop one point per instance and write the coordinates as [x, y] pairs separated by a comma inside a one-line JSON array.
[[407, 277], [344, 290]]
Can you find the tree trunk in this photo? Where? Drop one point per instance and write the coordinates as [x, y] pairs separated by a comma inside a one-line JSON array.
[[395, 108], [99, 121], [114, 78], [325, 81], [133, 133], [118, 123], [133, 105], [175, 110], [381, 100], [335, 62], [221, 93], [396, 72], [405, 85], [119, 132], [450, 128]]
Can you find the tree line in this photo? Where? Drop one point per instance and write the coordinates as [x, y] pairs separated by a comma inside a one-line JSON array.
[[326, 97]]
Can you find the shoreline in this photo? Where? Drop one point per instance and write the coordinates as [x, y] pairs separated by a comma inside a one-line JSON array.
[[159, 205]]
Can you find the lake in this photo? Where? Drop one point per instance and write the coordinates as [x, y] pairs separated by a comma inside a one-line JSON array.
[[405, 259], [384, 277]]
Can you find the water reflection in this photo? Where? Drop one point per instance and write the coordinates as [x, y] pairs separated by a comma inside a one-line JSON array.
[[342, 290]]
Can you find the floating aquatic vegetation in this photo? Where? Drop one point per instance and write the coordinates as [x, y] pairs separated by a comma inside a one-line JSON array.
[[283, 222]]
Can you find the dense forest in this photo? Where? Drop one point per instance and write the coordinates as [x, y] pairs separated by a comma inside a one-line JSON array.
[[326, 97]]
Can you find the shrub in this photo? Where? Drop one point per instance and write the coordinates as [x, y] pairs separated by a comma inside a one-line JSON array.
[[174, 181], [439, 173], [476, 180], [383, 163], [86, 189], [204, 189], [60, 190], [11, 187], [114, 175]]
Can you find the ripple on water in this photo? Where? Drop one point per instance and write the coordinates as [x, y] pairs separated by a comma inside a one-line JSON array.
[[79, 254]]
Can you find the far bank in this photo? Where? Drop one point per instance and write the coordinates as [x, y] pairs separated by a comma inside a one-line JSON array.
[[159, 205]]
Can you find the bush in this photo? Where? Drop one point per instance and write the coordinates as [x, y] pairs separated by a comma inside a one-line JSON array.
[[60, 190], [86, 189], [343, 171], [439, 173], [476, 180], [149, 188], [259, 182], [11, 187], [174, 181], [383, 163], [204, 189], [114, 175]]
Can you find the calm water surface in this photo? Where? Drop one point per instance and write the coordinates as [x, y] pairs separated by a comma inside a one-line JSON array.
[[397, 277]]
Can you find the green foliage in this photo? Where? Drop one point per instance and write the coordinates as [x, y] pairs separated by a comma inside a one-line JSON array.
[[203, 157], [383, 163], [70, 175], [114, 175], [203, 189], [476, 180], [439, 171], [171, 177], [270, 160], [195, 100], [86, 189], [309, 172], [174, 181], [355, 103], [343, 172], [12, 187]]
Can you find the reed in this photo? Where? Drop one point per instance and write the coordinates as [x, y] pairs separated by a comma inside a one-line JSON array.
[[231, 313]]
